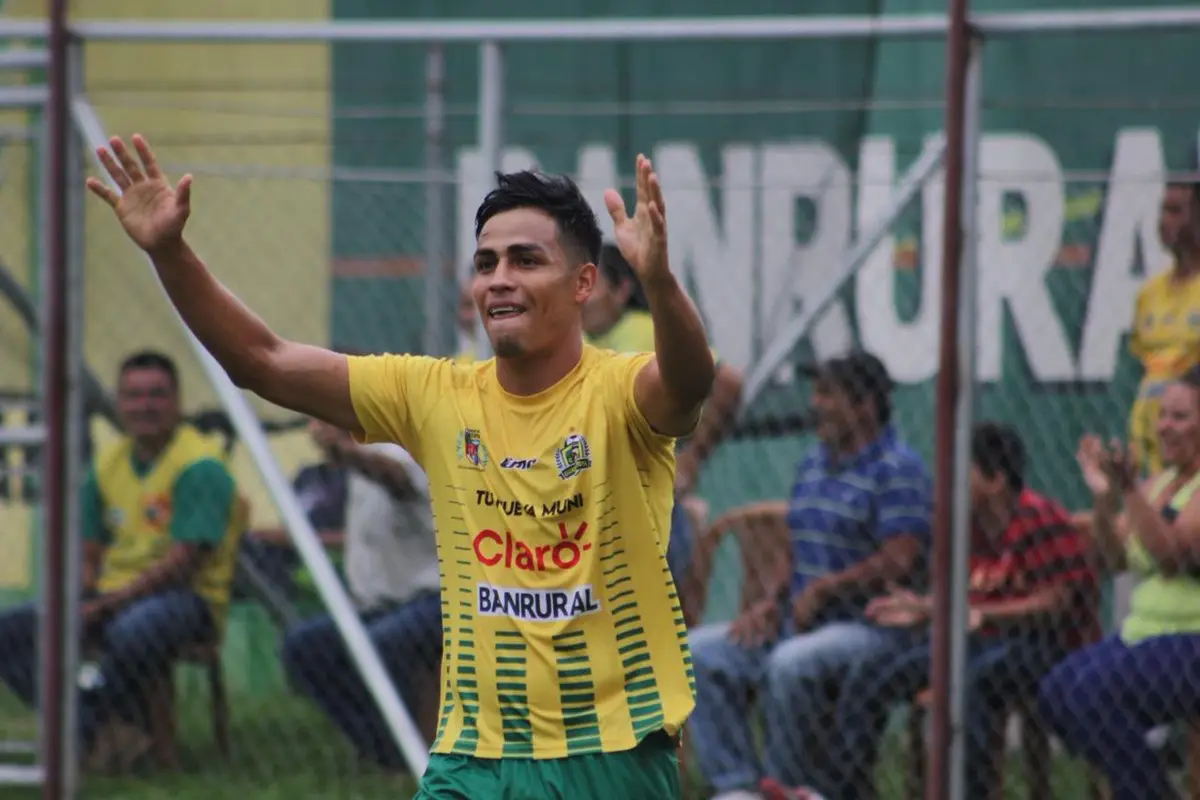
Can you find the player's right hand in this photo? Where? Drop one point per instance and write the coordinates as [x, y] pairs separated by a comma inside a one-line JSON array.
[[151, 211]]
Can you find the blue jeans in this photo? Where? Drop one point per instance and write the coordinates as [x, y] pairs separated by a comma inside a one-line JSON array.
[[409, 640], [791, 679], [138, 642], [998, 669], [679, 546], [1105, 698]]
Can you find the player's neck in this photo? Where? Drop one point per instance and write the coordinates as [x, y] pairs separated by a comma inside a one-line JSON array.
[[529, 375]]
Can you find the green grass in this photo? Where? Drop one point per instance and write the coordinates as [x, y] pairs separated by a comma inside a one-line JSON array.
[[283, 750]]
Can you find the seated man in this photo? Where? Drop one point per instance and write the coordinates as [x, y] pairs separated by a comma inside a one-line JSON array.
[[161, 525], [321, 491], [1031, 593], [392, 572], [859, 519]]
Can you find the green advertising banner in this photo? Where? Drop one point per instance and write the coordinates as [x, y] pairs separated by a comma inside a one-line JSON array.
[[774, 155]]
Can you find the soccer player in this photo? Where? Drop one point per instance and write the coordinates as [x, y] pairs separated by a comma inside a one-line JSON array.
[[566, 670]]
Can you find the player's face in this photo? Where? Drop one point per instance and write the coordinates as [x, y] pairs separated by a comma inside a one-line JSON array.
[[526, 289], [1179, 220], [147, 403], [605, 305], [1179, 425]]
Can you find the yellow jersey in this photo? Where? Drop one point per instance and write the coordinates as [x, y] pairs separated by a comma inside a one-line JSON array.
[[139, 505], [632, 333], [563, 633], [1166, 339]]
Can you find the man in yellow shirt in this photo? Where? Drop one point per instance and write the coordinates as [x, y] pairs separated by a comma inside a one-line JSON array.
[[161, 524], [566, 671], [1166, 323], [467, 321]]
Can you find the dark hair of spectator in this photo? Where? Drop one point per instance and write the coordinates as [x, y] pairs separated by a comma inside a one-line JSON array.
[[862, 376], [555, 195], [998, 450], [151, 359], [616, 270], [1191, 378], [1190, 185]]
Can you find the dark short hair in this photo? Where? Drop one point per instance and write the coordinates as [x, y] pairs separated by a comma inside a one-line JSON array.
[[151, 359], [617, 271], [997, 449], [1191, 185], [862, 376], [557, 196]]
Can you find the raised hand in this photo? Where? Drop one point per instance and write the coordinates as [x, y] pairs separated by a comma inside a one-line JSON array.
[[642, 238], [151, 211], [1091, 459], [1120, 465]]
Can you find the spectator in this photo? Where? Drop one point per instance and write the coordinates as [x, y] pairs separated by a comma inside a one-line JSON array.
[[1165, 336], [1031, 594], [859, 518], [616, 317], [161, 525], [1104, 699], [467, 322], [392, 572], [321, 491]]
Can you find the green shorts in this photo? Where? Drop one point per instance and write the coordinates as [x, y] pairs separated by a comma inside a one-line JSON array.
[[648, 772]]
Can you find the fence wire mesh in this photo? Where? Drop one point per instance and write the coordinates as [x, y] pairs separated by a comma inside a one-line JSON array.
[[19, 391], [321, 202]]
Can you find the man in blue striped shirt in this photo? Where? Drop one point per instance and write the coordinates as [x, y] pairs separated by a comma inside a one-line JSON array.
[[858, 520]]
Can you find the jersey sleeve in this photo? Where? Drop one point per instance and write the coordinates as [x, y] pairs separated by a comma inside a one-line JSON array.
[[201, 503], [392, 396], [627, 367], [91, 507]]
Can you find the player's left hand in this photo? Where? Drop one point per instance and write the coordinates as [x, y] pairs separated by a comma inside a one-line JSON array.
[[642, 238]]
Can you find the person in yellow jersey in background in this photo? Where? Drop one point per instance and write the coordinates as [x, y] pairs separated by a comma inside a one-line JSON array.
[[566, 670], [466, 320], [1166, 324], [617, 317], [161, 525]]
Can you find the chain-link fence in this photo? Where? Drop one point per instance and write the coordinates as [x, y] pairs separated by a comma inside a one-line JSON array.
[[19, 407], [335, 186]]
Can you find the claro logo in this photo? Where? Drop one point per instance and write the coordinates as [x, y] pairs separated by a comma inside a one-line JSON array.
[[492, 548]]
